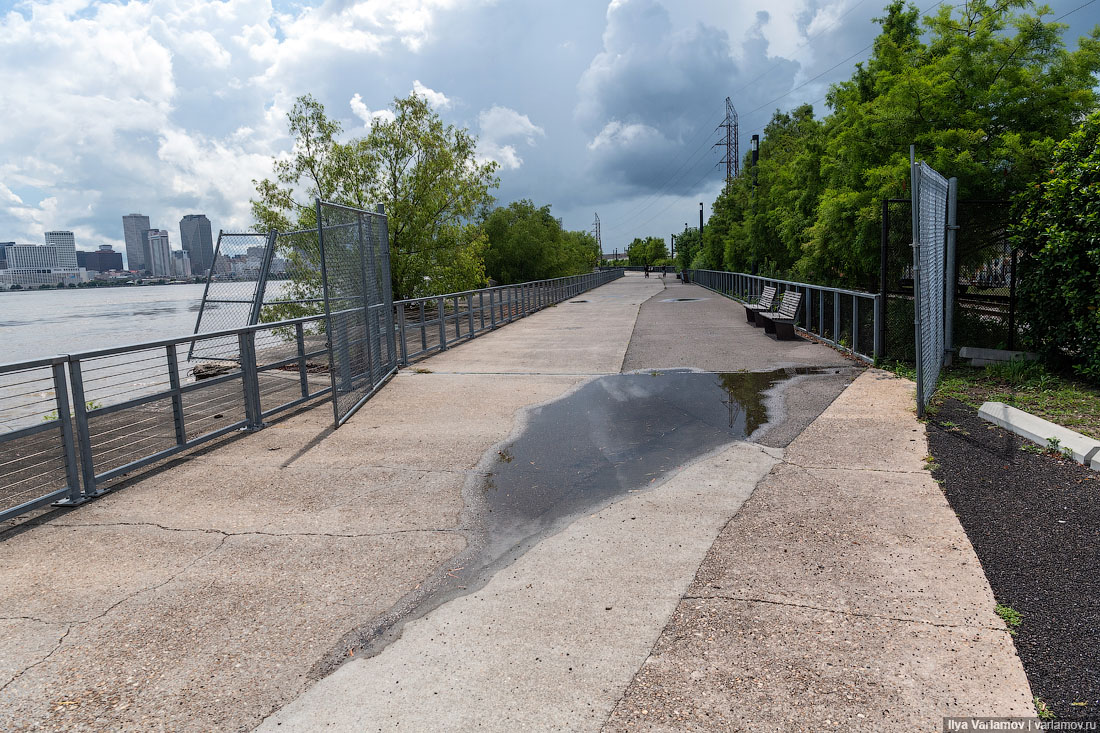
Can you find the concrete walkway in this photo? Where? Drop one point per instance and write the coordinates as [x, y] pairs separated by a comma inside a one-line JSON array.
[[223, 591]]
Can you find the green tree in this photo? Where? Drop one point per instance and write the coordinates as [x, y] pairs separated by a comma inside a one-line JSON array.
[[648, 251], [1059, 234], [688, 246], [424, 172], [984, 92], [527, 243]]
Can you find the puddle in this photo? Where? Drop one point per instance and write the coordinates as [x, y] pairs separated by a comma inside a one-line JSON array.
[[616, 433], [577, 301], [683, 300]]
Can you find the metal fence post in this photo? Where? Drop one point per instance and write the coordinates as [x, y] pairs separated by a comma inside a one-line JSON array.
[[855, 324], [470, 309], [300, 338], [883, 255], [951, 279], [492, 309], [83, 434], [177, 396], [879, 331], [246, 340], [441, 305], [836, 317], [72, 470]]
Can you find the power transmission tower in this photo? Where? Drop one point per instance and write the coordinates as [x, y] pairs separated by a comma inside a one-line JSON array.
[[732, 158], [596, 233]]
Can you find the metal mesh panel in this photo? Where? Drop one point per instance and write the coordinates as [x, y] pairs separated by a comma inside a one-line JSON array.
[[358, 303], [929, 232], [240, 264]]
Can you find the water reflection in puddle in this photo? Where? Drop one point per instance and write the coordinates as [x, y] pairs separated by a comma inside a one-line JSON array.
[[617, 433]]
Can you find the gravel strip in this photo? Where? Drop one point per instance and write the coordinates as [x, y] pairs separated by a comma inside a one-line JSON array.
[[1034, 521]]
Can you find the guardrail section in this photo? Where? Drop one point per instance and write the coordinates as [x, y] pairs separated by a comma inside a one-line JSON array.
[[845, 319]]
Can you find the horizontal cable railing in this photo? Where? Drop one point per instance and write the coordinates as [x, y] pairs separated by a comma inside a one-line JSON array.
[[428, 325], [72, 424], [846, 319]]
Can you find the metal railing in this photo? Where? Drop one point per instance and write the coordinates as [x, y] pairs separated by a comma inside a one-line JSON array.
[[846, 319], [71, 425], [429, 325]]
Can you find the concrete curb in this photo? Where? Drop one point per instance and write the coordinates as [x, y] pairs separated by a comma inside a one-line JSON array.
[[1086, 451]]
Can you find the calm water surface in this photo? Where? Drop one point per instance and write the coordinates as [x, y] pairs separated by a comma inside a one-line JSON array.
[[47, 322]]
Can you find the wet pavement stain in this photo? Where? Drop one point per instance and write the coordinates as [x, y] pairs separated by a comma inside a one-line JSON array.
[[616, 433]]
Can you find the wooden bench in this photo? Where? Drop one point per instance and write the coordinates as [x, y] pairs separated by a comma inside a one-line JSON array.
[[767, 299], [780, 323]]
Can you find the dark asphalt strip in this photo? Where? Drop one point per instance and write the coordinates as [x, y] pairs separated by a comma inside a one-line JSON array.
[[1034, 521]]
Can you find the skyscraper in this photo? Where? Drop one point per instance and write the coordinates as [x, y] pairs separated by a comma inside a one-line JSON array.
[[65, 243], [133, 226], [197, 242], [158, 253]]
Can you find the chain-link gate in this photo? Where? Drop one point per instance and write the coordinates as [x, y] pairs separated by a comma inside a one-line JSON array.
[[930, 204], [355, 275], [234, 288]]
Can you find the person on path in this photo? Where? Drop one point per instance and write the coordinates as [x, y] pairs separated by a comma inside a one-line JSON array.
[[647, 270]]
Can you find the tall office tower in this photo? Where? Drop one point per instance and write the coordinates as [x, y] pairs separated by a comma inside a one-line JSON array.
[[181, 264], [158, 253], [133, 228], [65, 243], [197, 242]]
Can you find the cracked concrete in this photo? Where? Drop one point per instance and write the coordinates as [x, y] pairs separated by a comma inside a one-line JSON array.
[[844, 595], [202, 596]]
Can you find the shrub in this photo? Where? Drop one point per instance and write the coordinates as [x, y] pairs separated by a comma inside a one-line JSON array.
[[1059, 236]]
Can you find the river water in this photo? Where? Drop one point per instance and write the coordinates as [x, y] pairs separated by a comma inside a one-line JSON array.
[[41, 323]]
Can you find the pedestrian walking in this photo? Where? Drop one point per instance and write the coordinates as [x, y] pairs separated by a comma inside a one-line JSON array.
[[647, 270]]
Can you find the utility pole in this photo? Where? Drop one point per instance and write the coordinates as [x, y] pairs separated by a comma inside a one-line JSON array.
[[673, 246], [732, 158], [755, 144], [700, 221], [596, 233]]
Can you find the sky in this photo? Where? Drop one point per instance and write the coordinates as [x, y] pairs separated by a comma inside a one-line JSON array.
[[171, 107]]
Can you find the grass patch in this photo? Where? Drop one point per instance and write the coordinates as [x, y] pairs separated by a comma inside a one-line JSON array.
[[1028, 386], [1043, 710], [1010, 616]]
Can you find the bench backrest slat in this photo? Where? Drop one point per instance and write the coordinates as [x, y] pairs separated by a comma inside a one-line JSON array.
[[767, 297], [791, 300]]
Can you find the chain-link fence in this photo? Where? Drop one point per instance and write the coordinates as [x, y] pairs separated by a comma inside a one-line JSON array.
[[930, 204], [355, 267], [233, 287], [985, 288]]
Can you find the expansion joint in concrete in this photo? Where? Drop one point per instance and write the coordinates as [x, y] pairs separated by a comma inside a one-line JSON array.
[[838, 612]]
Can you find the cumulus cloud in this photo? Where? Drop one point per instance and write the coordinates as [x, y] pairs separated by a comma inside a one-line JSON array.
[[499, 124], [438, 100], [360, 110]]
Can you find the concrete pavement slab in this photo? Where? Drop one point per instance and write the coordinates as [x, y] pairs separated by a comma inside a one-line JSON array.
[[709, 332], [292, 500], [572, 337], [841, 598], [548, 643], [734, 666], [217, 645]]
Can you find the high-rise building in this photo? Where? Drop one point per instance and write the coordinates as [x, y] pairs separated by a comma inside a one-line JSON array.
[[181, 263], [65, 243], [133, 227], [197, 242], [102, 260], [158, 253]]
